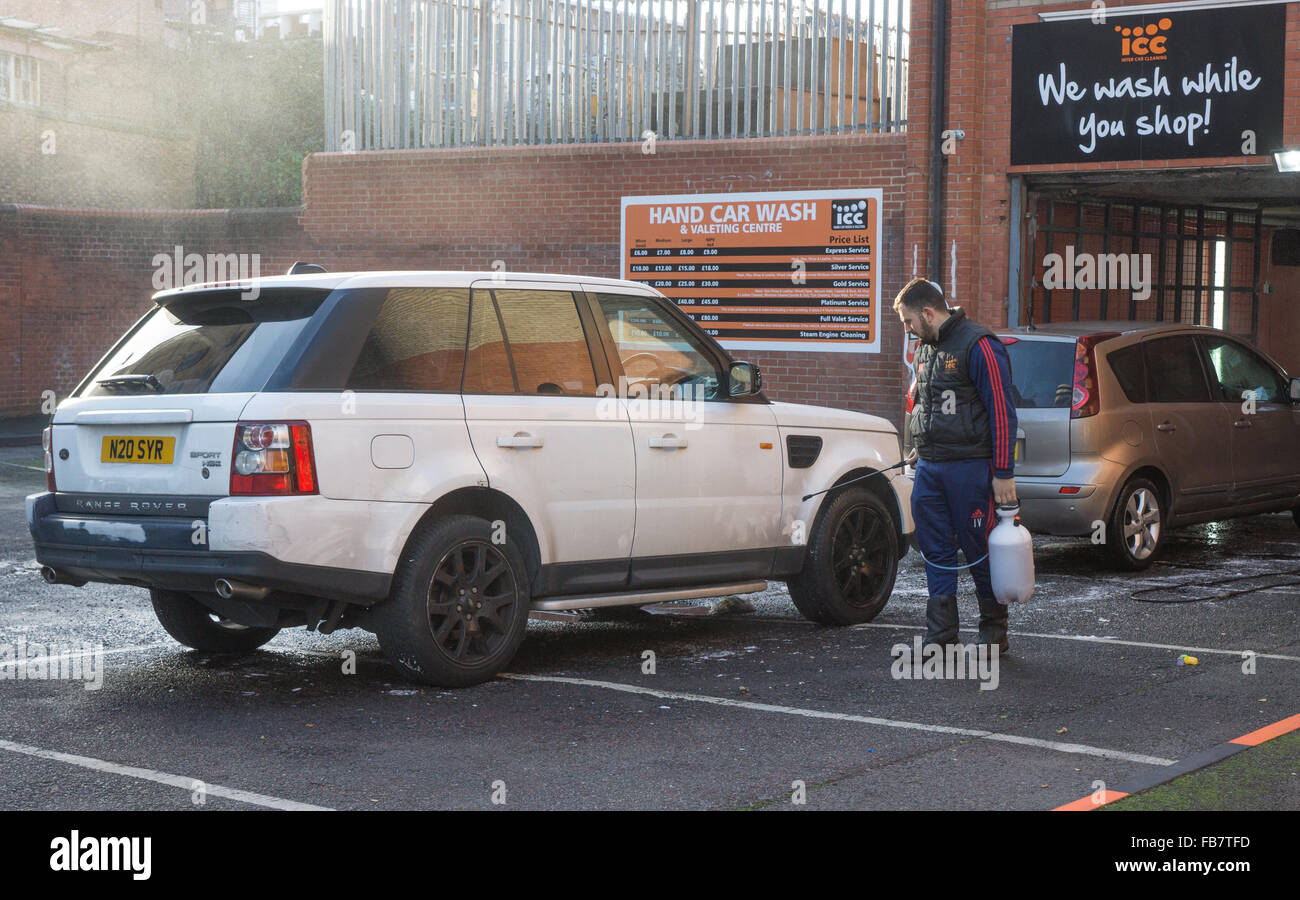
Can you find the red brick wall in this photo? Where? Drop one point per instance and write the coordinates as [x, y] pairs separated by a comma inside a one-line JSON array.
[[556, 209], [73, 280]]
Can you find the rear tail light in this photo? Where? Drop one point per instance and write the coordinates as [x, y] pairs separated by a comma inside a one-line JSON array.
[[1085, 400], [911, 395], [273, 458], [1009, 340], [47, 444]]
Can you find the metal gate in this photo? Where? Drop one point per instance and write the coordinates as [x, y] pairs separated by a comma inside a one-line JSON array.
[[1203, 263], [452, 73]]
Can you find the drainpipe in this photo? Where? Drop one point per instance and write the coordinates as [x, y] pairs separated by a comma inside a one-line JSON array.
[[939, 70]]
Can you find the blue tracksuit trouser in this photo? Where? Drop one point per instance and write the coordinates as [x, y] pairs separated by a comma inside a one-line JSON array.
[[952, 503]]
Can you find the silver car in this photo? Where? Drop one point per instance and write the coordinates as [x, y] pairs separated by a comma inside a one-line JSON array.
[[1128, 429]]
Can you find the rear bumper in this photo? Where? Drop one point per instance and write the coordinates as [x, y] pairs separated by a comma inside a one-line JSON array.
[[1044, 509], [171, 553]]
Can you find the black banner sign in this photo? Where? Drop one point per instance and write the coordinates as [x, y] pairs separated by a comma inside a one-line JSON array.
[[1164, 85]]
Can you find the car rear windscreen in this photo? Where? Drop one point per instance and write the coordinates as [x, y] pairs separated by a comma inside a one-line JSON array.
[[208, 342], [1042, 373]]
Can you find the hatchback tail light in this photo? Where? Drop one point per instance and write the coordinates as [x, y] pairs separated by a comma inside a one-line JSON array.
[[911, 395], [1085, 400], [273, 458], [47, 444]]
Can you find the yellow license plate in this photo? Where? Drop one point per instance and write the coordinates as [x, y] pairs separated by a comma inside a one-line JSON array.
[[122, 448]]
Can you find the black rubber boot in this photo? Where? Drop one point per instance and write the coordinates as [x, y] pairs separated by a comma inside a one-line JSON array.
[[941, 620], [993, 623]]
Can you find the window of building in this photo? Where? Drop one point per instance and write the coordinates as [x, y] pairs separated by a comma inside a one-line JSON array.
[[20, 79]]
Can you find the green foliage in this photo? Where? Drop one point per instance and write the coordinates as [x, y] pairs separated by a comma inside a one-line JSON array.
[[257, 111]]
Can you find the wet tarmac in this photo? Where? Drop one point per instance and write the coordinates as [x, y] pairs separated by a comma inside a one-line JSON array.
[[743, 710]]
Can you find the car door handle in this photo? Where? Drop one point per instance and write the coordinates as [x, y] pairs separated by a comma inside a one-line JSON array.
[[668, 442], [1166, 426], [1243, 423], [519, 441]]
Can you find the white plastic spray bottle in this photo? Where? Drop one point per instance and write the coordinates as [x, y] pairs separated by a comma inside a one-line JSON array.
[[1011, 557]]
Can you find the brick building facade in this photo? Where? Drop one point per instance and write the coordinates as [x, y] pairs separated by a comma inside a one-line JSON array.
[[555, 208]]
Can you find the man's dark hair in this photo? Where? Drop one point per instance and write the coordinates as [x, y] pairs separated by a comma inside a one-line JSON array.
[[919, 293]]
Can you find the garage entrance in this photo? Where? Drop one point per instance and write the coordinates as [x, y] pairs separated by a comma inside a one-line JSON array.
[[1203, 268], [1137, 250]]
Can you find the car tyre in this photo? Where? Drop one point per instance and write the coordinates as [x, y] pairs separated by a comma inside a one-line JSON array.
[[1136, 530], [196, 626], [852, 561], [458, 607]]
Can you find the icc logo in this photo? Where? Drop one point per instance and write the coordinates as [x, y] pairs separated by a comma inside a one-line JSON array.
[[1142, 43], [846, 214]]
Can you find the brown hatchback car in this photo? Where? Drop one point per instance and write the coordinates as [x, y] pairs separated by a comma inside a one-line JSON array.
[[1129, 429], [1162, 425]]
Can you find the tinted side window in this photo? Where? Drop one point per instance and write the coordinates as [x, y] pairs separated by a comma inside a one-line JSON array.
[[416, 344], [1130, 372], [1174, 373], [654, 350], [1239, 371], [547, 343], [487, 359], [528, 342]]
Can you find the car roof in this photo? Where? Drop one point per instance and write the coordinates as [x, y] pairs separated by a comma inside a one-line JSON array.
[[1079, 329], [402, 278]]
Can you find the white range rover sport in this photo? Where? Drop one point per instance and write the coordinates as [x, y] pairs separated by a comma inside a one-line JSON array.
[[431, 455]]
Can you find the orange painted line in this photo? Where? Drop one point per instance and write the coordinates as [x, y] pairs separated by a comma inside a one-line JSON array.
[[1083, 804], [1268, 732]]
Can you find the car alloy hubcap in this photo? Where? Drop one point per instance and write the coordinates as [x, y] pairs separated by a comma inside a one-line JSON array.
[[1141, 523], [859, 555], [471, 603]]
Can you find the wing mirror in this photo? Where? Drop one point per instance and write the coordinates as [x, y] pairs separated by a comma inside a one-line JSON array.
[[1295, 390], [745, 380]]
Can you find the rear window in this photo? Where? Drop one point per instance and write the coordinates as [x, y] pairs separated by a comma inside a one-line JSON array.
[[1042, 373], [211, 342]]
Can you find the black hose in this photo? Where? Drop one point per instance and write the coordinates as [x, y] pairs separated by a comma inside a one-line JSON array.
[[901, 462]]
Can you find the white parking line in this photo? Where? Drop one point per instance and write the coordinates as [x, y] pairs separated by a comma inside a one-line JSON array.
[[848, 717], [21, 466], [1103, 640], [176, 781]]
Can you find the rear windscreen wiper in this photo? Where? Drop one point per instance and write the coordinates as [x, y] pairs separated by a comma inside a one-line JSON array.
[[149, 381]]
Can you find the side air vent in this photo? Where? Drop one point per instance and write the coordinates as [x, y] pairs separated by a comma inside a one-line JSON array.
[[803, 450]]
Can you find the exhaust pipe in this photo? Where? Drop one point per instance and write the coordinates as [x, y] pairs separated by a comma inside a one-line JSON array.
[[237, 590], [52, 577]]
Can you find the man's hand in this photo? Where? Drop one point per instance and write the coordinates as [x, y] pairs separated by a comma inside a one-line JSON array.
[[1004, 490], [911, 458]]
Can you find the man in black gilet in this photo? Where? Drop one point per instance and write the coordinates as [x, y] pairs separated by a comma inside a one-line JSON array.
[[962, 428]]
